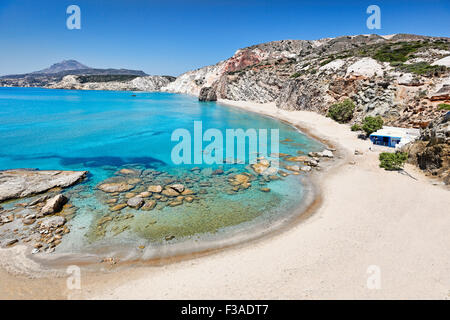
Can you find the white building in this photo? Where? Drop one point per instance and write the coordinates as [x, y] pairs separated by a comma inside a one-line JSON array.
[[394, 137]]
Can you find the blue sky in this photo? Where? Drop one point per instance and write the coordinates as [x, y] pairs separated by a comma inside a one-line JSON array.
[[171, 37]]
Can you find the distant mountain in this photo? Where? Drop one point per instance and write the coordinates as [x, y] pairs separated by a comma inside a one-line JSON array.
[[64, 65], [57, 71], [67, 67]]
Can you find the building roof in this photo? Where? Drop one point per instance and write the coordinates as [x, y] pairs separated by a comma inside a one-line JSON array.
[[397, 132]]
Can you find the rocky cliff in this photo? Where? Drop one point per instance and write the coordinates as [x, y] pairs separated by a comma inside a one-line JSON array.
[[403, 78], [432, 152]]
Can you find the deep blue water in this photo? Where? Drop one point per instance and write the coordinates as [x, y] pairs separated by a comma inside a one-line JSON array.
[[103, 131]]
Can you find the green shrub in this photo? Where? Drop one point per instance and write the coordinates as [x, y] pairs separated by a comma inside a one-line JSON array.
[[422, 68], [444, 106], [327, 61], [356, 127], [296, 75], [372, 124], [342, 112], [398, 52], [393, 161]]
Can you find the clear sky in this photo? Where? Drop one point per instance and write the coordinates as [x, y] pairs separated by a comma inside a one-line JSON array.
[[174, 36]]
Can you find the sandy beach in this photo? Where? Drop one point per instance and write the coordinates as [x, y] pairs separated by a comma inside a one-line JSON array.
[[367, 217]]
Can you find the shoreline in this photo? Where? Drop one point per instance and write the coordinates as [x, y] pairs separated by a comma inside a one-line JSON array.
[[180, 252], [312, 262], [316, 259], [312, 200]]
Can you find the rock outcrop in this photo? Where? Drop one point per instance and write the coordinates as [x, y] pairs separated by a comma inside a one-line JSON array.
[[54, 205], [207, 94], [432, 152], [22, 183]]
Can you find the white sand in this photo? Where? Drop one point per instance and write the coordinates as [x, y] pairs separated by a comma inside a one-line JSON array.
[[368, 217]]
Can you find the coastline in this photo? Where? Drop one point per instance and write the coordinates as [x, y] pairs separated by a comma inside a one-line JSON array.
[[47, 266], [327, 255]]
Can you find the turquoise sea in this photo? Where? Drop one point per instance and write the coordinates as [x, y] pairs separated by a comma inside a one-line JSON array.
[[105, 131]]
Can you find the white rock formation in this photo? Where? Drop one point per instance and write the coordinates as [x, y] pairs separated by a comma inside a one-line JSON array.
[[366, 67], [442, 62], [333, 65], [191, 82]]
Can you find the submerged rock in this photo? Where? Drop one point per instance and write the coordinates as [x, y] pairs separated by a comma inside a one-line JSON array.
[[187, 192], [135, 202], [128, 171], [217, 172], [115, 187], [145, 194], [22, 183], [260, 167], [294, 168], [177, 187], [118, 207], [155, 189], [149, 205], [297, 159], [170, 192], [52, 222], [175, 203]]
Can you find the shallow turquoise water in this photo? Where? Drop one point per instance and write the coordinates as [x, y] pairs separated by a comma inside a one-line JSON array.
[[104, 131]]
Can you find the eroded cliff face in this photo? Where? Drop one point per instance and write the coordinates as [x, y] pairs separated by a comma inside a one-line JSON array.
[[403, 78]]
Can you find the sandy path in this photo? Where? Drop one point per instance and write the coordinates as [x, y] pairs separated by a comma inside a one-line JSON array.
[[368, 217]]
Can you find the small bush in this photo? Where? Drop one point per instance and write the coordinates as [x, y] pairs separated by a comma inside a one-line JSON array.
[[422, 68], [327, 61], [356, 127], [397, 52], [342, 112], [372, 124], [444, 106], [393, 161]]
